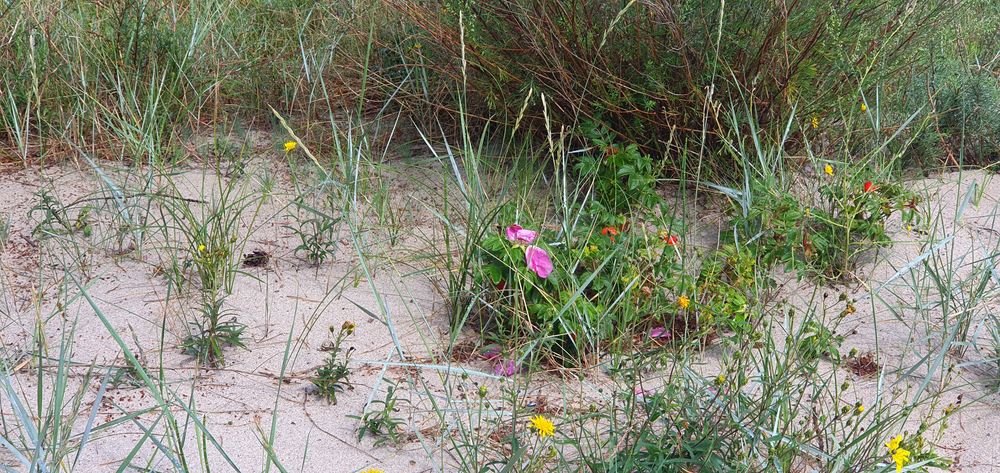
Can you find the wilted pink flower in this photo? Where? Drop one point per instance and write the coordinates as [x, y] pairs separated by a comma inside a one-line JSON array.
[[538, 261], [516, 234], [506, 368], [659, 332]]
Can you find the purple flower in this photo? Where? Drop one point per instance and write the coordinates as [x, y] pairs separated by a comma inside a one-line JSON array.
[[538, 261], [659, 332], [518, 235], [506, 368]]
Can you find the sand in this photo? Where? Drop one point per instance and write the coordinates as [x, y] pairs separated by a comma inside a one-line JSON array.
[[289, 305]]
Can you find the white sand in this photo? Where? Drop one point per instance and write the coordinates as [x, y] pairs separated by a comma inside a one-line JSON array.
[[293, 300]]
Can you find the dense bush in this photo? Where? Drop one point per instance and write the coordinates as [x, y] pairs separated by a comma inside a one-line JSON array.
[[653, 71], [966, 107]]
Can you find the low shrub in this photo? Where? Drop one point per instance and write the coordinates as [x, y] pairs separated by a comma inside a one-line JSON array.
[[827, 233]]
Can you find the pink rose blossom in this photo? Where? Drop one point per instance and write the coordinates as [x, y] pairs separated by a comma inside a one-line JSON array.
[[516, 234], [538, 261]]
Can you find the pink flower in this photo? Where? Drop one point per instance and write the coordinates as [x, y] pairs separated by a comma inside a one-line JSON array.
[[506, 368], [659, 332], [640, 394], [538, 261], [516, 234]]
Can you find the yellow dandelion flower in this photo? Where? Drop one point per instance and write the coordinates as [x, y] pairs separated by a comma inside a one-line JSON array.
[[201, 248], [815, 122], [828, 169], [290, 146], [864, 108], [543, 426], [683, 302], [893, 444], [901, 456]]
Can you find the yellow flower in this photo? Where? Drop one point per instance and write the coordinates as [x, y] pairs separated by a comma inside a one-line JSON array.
[[864, 108], [543, 426], [901, 456], [348, 327], [720, 379], [861, 408], [828, 169], [201, 248], [372, 470], [290, 146], [893, 444], [683, 302], [815, 122]]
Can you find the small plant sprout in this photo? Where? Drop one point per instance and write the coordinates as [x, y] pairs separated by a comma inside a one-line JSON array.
[[211, 333], [382, 421]]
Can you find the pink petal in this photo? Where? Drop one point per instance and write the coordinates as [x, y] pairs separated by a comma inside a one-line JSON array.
[[516, 234], [659, 332], [538, 261], [512, 232], [506, 368]]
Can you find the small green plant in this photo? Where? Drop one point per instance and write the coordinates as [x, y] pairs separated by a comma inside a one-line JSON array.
[[334, 374], [4, 232], [828, 237], [82, 222], [382, 422], [727, 283], [54, 219], [817, 341], [624, 179], [212, 233], [211, 334], [317, 239]]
